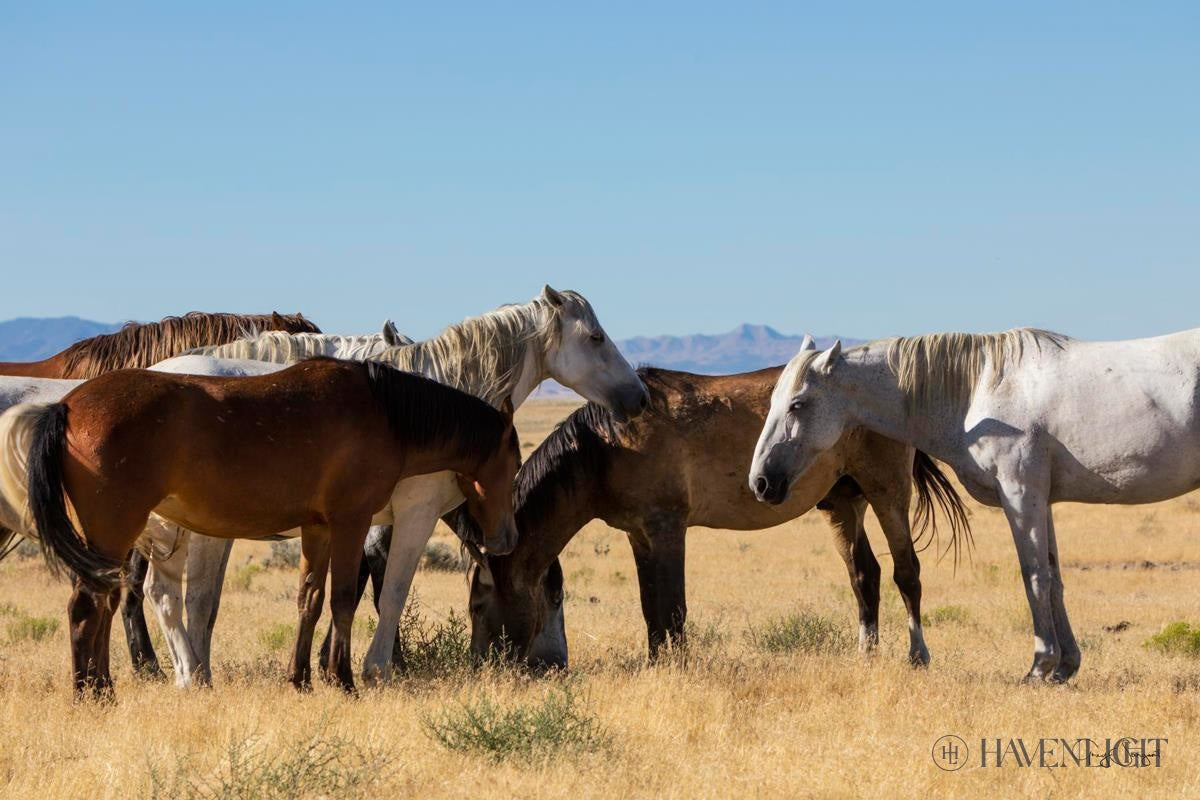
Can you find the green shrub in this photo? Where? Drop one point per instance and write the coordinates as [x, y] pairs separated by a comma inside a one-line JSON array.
[[556, 724], [946, 614], [804, 632], [34, 629], [1177, 638], [441, 557], [278, 636], [319, 765], [432, 650], [243, 576]]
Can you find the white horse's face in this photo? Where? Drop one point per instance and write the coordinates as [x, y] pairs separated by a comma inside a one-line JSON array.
[[586, 360], [806, 419]]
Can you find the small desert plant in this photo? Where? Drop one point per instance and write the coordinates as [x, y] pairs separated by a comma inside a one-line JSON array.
[[1176, 638], [946, 614], [319, 765], [284, 555], [432, 650], [243, 576], [278, 636], [441, 557], [804, 632], [33, 629], [556, 724]]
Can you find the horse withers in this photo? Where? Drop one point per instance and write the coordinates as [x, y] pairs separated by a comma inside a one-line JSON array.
[[320, 446]]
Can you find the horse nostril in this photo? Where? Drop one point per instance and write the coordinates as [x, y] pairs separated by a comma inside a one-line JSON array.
[[761, 485], [644, 401]]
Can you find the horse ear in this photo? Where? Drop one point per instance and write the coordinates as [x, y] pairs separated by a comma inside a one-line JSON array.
[[278, 321], [468, 486], [825, 362], [506, 406], [808, 343], [391, 336], [553, 296]]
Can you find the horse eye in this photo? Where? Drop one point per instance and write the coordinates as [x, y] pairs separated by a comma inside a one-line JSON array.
[[598, 338], [797, 405]]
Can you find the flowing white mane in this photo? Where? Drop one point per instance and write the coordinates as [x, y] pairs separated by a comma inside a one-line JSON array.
[[946, 367], [285, 348], [483, 355]]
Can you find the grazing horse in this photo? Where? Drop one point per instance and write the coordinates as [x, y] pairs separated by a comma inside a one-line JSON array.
[[500, 357], [138, 345], [681, 464], [320, 446], [1026, 418]]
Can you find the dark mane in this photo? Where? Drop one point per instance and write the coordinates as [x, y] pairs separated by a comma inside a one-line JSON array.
[[431, 413], [142, 344]]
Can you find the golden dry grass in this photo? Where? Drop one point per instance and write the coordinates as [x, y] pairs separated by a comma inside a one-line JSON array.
[[727, 721]]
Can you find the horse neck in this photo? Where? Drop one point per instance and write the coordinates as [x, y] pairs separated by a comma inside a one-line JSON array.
[[872, 393], [46, 368], [549, 518], [514, 378]]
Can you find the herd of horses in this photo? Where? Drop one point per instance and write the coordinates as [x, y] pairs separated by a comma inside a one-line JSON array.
[[136, 458]]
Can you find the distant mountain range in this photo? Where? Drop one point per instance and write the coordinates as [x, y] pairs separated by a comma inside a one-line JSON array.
[[742, 349], [32, 339]]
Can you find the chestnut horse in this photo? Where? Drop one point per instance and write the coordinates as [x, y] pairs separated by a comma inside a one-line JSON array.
[[319, 446], [139, 345], [681, 464]]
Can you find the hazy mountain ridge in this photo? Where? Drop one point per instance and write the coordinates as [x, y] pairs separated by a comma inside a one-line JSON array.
[[35, 338], [747, 347]]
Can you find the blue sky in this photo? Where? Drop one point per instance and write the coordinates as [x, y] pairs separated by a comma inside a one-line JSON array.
[[862, 170]]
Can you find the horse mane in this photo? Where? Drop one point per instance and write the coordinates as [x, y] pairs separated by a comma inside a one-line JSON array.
[[429, 414], [141, 344], [279, 347], [946, 367], [482, 355]]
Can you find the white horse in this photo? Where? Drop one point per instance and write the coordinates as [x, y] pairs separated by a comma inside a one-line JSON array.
[[500, 357], [1026, 418]]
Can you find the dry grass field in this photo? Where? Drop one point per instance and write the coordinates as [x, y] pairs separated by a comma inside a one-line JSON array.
[[805, 717]]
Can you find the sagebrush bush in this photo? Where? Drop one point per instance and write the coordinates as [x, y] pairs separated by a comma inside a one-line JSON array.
[[441, 557], [243, 576], [1177, 638], [803, 632], [278, 636], [284, 555], [946, 614], [431, 650], [319, 765], [33, 629], [557, 723]]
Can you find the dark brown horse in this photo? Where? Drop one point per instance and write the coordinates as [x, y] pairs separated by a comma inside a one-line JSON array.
[[138, 345], [683, 463], [319, 446]]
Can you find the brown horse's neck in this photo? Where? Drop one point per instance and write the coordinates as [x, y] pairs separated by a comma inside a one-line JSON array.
[[46, 368]]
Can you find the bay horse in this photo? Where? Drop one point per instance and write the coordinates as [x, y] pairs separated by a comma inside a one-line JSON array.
[[500, 357], [1026, 418], [138, 345], [321, 446], [680, 465]]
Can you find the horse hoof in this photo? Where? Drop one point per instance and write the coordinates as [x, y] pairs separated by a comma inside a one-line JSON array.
[[919, 659]]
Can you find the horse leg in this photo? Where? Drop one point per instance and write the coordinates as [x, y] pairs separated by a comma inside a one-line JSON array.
[[314, 565], [1070, 656], [658, 552], [83, 615], [892, 511], [843, 511], [1027, 508], [207, 558], [133, 616], [412, 530], [164, 587], [345, 558], [373, 563], [109, 603]]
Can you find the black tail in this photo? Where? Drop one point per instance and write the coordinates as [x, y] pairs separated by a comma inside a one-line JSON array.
[[934, 488], [61, 545]]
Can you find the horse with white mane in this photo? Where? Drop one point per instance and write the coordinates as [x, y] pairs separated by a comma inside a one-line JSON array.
[[1026, 418], [500, 357]]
